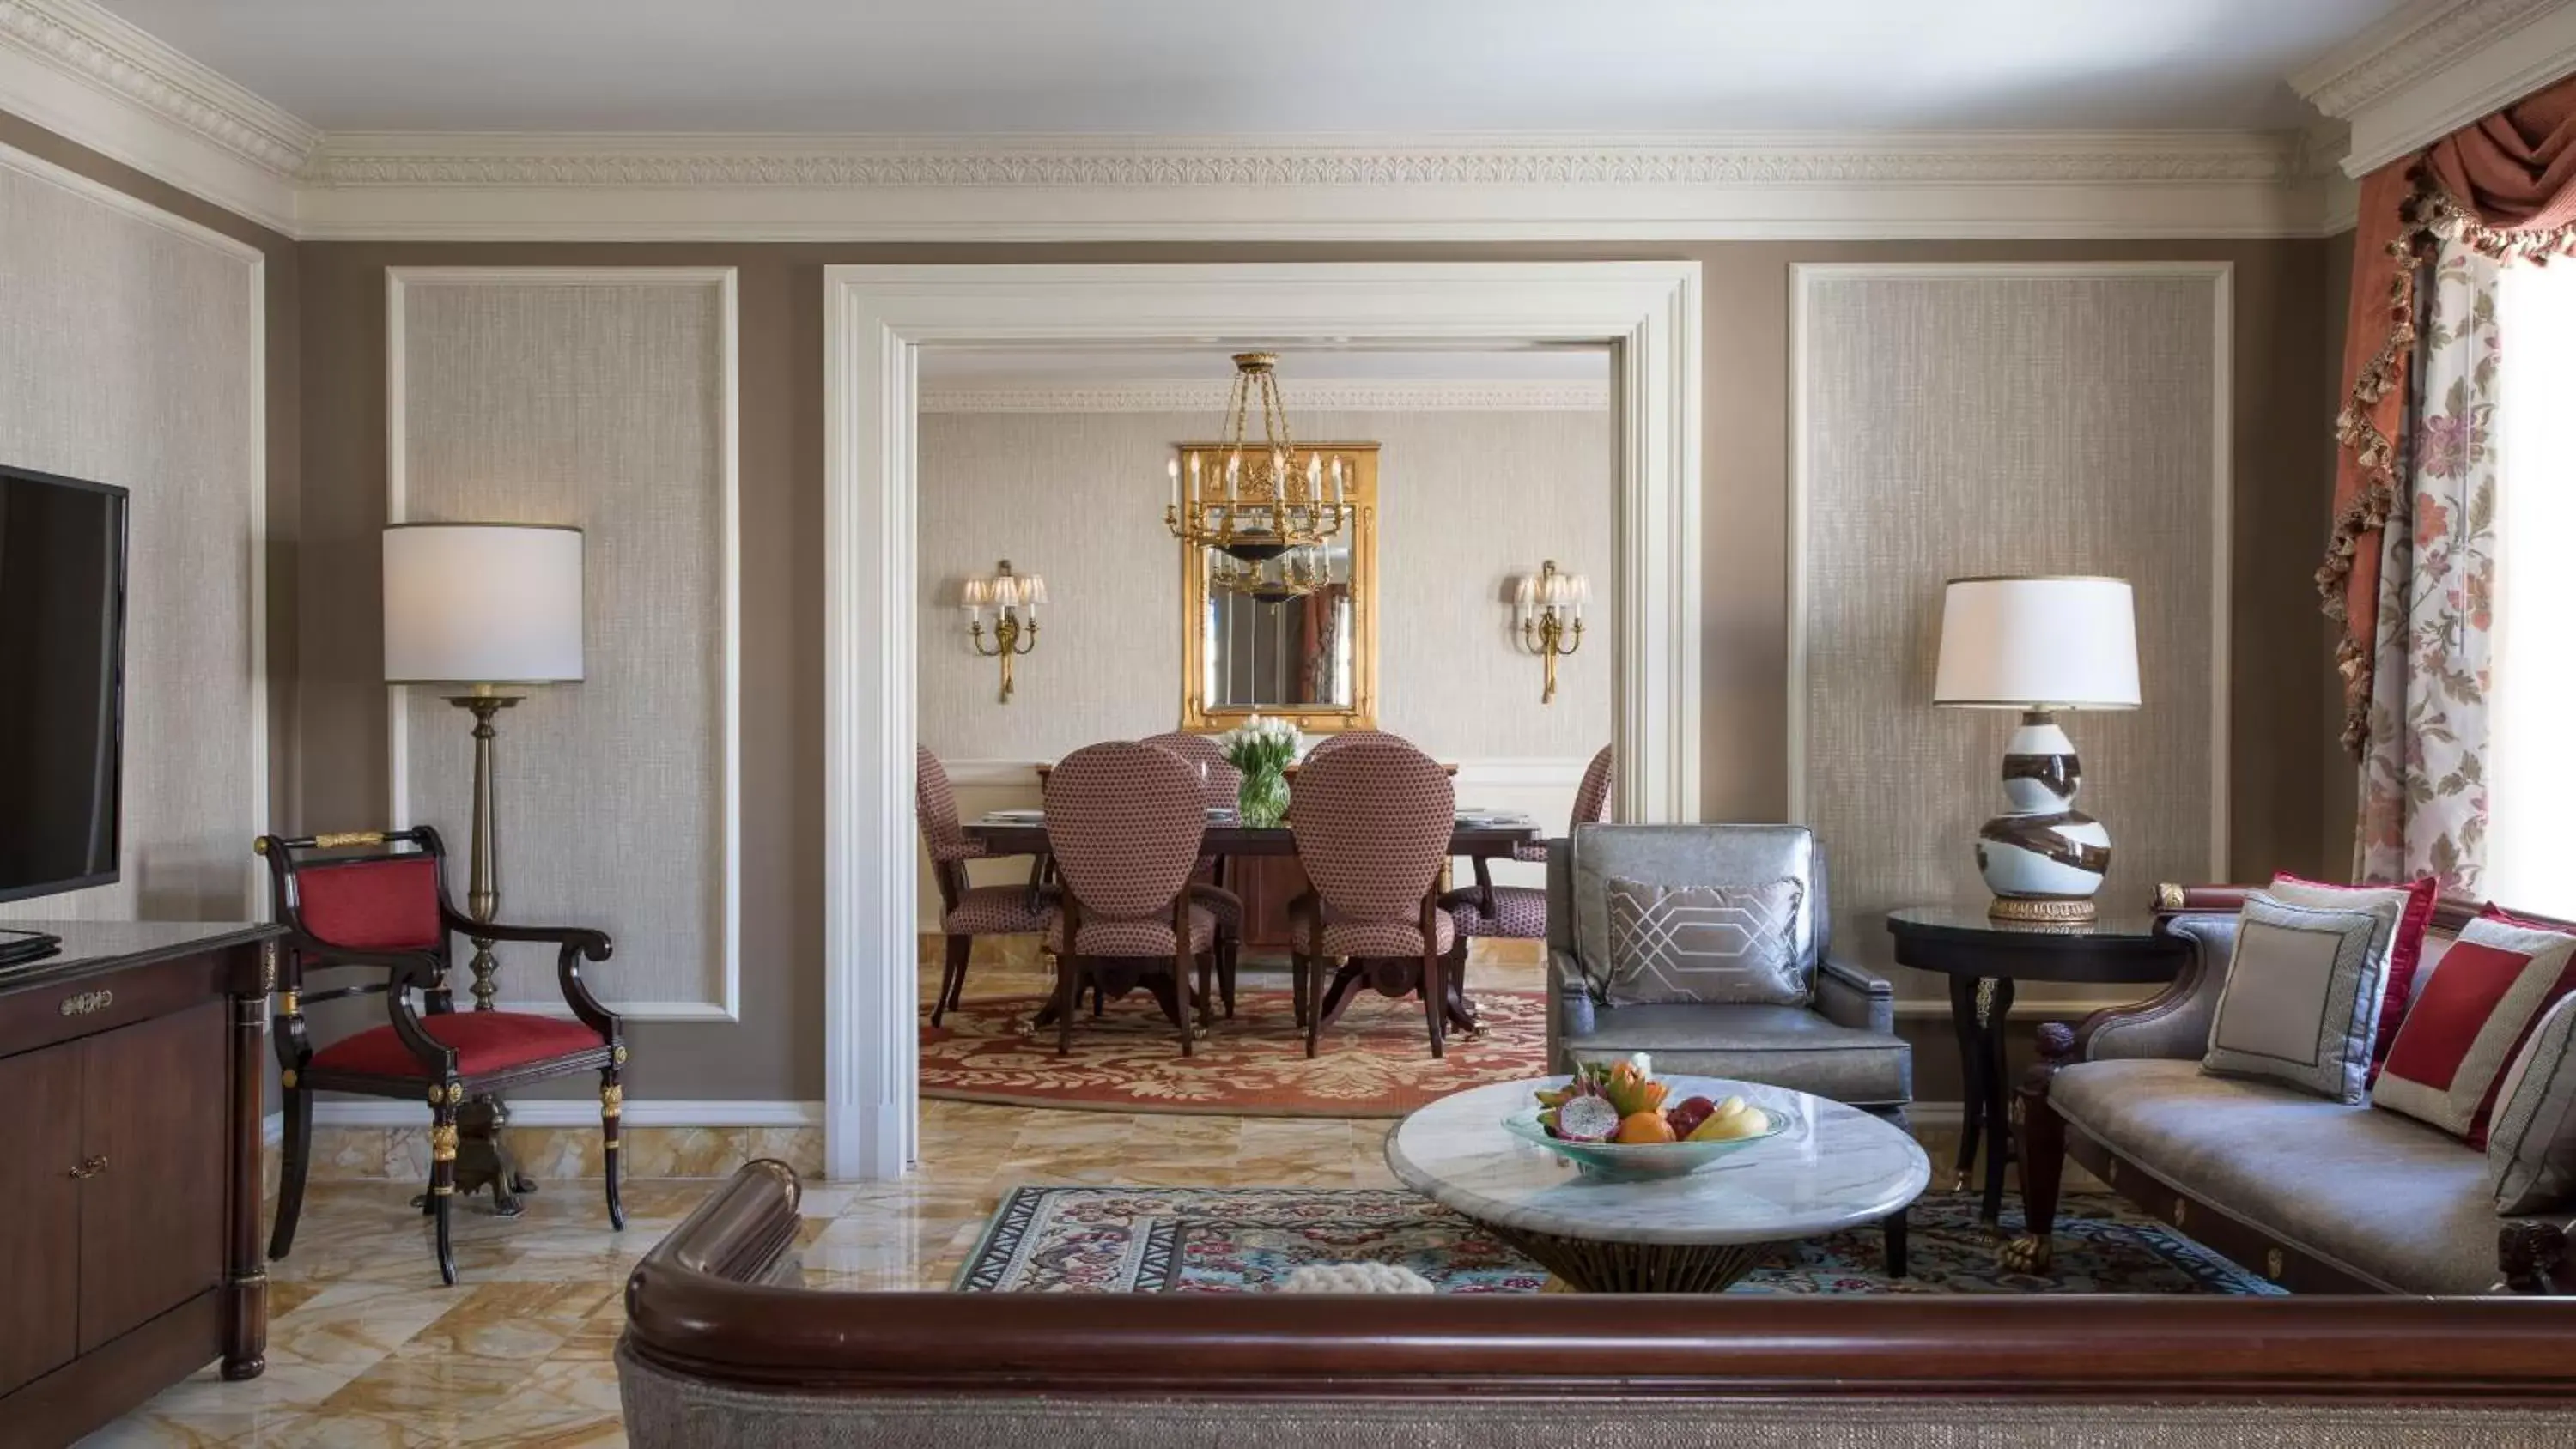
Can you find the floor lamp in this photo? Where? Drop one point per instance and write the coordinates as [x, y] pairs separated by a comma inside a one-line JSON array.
[[491, 607]]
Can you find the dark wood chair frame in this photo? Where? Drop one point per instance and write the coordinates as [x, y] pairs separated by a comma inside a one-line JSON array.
[[1441, 979], [424, 971], [2531, 1257], [1116, 975]]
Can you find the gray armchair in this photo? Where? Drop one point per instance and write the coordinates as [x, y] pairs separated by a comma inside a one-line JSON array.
[[1841, 1044]]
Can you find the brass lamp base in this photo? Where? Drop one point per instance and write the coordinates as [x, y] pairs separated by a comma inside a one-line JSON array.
[[2031, 908]]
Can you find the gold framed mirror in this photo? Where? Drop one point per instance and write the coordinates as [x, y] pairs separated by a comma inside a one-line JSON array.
[[1291, 638]]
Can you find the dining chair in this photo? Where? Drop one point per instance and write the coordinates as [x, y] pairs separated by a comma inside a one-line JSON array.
[[388, 915], [1222, 783], [1519, 913], [1124, 823], [1330, 743], [1373, 821], [965, 911]]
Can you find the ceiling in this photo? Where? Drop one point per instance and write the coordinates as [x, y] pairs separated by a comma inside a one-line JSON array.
[[1198, 67], [956, 367]]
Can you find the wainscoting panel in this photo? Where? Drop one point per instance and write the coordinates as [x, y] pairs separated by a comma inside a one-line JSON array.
[[603, 399], [1958, 421], [132, 351]]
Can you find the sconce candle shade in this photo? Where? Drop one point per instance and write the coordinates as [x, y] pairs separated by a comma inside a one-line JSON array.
[[482, 603], [2064, 643]]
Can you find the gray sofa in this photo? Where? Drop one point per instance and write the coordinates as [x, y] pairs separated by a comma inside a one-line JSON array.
[[2316, 1195], [1841, 1045]]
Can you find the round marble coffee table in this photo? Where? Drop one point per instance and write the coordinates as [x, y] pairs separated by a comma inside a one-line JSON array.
[[1837, 1167]]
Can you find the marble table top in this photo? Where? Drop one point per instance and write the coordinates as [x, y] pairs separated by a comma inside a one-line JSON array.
[[1837, 1167]]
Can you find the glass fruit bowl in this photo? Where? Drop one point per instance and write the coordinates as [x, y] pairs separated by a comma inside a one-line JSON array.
[[1642, 1161]]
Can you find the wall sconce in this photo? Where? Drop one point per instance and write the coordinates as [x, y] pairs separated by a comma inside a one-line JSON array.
[[1014, 599], [1551, 617]]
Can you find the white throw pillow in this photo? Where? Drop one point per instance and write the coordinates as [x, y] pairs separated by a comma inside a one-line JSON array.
[[2301, 1002]]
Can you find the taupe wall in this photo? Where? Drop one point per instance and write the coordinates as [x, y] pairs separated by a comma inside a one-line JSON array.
[[2277, 815], [1465, 500]]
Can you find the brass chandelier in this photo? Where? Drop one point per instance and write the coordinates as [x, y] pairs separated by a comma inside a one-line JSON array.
[[1255, 503]]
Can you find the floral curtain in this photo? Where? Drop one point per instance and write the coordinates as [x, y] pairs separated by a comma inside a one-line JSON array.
[[2504, 187], [2424, 786]]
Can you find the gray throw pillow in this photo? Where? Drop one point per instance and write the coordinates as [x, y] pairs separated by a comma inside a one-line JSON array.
[[2301, 1004], [1704, 944], [2531, 1148]]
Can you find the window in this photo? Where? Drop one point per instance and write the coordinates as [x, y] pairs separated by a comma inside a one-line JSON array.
[[2531, 766]]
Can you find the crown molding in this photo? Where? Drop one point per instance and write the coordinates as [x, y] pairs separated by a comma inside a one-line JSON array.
[[1473, 188], [2436, 66], [502, 159], [1193, 395], [77, 70]]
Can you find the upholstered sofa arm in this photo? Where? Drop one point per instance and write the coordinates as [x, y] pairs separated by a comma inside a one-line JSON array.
[[2174, 1023], [1854, 996], [1569, 1005]]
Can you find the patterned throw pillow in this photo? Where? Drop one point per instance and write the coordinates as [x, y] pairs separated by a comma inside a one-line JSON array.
[[2531, 1153], [2301, 1000], [2448, 1065], [1704, 944], [2400, 945]]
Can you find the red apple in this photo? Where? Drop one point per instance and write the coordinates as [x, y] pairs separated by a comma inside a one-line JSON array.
[[1689, 1115]]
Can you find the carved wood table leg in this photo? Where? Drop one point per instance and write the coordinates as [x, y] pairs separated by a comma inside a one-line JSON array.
[[2043, 1155], [1994, 1008]]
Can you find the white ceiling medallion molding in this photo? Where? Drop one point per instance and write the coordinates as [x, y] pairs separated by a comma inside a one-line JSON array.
[[493, 187], [879, 321], [1190, 395], [78, 71], [2435, 66]]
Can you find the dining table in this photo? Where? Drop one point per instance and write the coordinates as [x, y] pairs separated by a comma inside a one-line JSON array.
[[1475, 835]]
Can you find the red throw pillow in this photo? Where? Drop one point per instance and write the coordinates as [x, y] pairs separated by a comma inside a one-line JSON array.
[[2405, 949], [2495, 984]]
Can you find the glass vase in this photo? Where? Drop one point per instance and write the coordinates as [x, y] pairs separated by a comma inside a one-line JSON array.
[[1262, 800]]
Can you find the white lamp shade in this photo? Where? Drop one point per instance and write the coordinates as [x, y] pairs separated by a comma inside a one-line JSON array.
[[2071, 643], [482, 603]]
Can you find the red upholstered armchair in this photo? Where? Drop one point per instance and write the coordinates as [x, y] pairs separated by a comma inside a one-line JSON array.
[[387, 915]]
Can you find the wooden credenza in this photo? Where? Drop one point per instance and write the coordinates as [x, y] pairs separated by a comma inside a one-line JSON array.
[[129, 1169]]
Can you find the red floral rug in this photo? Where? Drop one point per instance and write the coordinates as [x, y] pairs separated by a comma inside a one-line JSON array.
[[1374, 1061]]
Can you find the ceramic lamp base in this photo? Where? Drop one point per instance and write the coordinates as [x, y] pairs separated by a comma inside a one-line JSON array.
[[2043, 859]]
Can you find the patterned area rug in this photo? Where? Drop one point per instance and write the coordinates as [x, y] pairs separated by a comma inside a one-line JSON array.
[[1248, 1240], [1374, 1062]]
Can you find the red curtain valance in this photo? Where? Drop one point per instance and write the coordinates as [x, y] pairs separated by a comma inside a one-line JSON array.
[[2507, 185]]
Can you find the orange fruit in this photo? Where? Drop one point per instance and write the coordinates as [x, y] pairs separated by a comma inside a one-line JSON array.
[[1646, 1126]]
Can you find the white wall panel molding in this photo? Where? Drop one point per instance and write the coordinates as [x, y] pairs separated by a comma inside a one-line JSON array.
[[1191, 395], [877, 322], [2035, 452], [640, 586], [179, 830], [2435, 66]]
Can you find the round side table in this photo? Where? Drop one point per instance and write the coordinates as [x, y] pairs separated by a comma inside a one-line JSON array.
[[1983, 957]]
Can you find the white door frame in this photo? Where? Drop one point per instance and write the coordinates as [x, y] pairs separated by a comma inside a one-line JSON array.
[[876, 322]]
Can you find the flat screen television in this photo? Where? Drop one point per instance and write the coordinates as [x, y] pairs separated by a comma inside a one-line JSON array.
[[62, 663]]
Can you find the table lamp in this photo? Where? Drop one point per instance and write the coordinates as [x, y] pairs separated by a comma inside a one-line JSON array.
[[2039, 645], [490, 606]]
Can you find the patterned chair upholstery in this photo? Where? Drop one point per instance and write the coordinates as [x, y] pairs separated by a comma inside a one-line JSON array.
[[1224, 786], [965, 911], [1842, 1044], [1372, 821], [387, 914], [1124, 824], [1519, 913], [1330, 743]]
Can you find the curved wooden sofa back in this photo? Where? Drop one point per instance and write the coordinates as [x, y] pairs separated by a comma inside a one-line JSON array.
[[705, 1332]]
